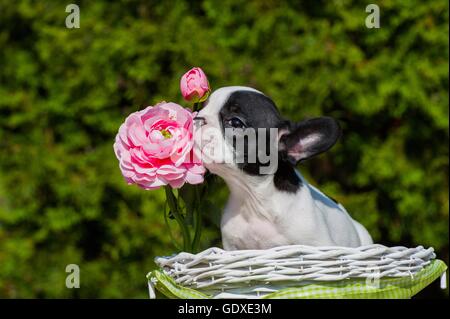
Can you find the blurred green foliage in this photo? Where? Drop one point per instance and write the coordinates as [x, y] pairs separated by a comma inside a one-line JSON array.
[[64, 93]]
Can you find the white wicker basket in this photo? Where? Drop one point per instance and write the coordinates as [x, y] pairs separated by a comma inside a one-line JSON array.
[[254, 273]]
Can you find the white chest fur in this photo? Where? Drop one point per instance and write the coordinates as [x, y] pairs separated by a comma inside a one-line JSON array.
[[258, 216]]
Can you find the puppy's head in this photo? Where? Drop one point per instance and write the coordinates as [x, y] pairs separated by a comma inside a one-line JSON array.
[[240, 131]]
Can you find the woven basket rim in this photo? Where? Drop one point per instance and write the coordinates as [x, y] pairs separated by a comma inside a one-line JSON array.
[[215, 267], [215, 271], [218, 250]]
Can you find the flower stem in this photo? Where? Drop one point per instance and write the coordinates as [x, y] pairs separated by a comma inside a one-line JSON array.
[[196, 106], [171, 200], [198, 221], [172, 238]]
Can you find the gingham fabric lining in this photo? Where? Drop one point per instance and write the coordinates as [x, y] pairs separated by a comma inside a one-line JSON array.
[[385, 288]]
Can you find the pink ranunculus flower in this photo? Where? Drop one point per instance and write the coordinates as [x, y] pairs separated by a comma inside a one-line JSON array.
[[155, 147], [194, 85]]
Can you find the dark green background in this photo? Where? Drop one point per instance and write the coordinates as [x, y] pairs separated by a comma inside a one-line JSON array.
[[64, 93]]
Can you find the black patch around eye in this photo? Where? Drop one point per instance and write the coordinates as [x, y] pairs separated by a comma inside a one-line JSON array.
[[235, 122], [253, 108], [234, 108], [258, 111]]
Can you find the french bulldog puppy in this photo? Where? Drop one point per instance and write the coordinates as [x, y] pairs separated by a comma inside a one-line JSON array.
[[277, 206]]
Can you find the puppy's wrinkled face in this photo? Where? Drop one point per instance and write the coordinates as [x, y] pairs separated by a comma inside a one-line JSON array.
[[239, 130], [236, 125]]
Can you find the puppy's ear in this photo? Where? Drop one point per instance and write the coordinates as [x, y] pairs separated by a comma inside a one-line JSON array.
[[308, 138]]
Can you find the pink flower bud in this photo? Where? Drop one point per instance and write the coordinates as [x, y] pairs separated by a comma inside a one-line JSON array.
[[194, 85]]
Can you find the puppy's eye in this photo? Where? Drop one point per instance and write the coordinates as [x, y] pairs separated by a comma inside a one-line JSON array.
[[235, 122], [199, 121]]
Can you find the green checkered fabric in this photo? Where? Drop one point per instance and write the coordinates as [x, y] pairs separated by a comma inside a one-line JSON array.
[[384, 288]]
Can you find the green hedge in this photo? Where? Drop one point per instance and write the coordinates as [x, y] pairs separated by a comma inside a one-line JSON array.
[[64, 93]]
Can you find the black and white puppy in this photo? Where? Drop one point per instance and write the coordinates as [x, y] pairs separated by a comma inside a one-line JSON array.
[[279, 207]]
